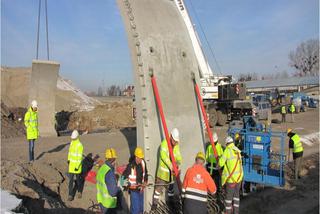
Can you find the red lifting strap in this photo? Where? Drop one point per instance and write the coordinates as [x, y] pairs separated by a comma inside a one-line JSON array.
[[165, 128], [205, 117]]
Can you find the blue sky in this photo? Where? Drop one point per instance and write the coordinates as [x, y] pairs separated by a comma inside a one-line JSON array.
[[89, 40]]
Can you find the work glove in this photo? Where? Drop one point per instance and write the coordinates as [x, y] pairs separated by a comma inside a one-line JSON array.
[[245, 155]]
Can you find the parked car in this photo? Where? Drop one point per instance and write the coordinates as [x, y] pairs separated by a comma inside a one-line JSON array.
[[263, 110]]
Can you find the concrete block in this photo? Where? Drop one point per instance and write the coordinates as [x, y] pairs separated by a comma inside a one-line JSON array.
[[164, 47], [43, 86]]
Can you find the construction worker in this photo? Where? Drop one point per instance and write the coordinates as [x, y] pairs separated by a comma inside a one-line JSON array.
[[292, 111], [31, 124], [107, 189], [137, 175], [232, 175], [165, 172], [297, 151], [212, 165], [196, 185], [283, 113], [75, 166]]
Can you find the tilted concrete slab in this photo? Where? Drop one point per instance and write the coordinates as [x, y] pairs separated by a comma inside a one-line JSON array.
[[159, 41], [43, 86]]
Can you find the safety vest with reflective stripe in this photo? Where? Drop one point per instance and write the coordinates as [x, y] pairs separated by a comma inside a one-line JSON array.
[[210, 156], [292, 108], [231, 159], [165, 162], [133, 175], [283, 110], [31, 123], [103, 196], [75, 157], [197, 183], [297, 145]]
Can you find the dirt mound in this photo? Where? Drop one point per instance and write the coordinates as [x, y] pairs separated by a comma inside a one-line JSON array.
[[108, 116], [15, 84], [12, 121], [32, 181]]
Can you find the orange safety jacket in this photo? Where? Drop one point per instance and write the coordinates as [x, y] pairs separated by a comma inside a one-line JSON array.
[[197, 183], [132, 178]]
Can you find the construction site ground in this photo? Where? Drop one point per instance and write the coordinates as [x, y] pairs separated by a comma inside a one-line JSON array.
[[43, 184]]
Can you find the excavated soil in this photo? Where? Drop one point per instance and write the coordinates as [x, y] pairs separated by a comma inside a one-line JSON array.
[[113, 115]]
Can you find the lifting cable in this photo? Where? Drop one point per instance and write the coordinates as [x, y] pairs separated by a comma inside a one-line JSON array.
[[205, 37], [205, 117], [38, 29], [165, 129]]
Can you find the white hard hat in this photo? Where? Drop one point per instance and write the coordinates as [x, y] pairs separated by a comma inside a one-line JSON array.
[[215, 137], [34, 104], [229, 139], [74, 135], [175, 134]]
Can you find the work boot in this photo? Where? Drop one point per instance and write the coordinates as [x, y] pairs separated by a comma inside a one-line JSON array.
[[79, 195], [70, 198]]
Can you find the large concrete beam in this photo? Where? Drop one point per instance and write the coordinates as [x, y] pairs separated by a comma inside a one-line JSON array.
[[43, 86], [159, 42]]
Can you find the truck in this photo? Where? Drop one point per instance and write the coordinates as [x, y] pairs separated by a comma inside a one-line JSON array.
[[224, 100]]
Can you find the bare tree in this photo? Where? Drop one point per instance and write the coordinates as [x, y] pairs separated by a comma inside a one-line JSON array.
[[305, 59], [247, 77]]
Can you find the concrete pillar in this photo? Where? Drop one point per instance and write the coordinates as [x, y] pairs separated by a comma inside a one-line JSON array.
[[159, 41], [43, 86]]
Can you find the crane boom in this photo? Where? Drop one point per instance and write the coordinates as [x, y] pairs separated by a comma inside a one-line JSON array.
[[204, 67]]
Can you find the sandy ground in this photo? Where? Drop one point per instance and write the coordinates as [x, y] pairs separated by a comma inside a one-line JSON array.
[[46, 179]]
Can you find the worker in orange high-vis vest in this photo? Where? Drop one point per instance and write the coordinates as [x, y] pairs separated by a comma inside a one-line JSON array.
[[232, 175], [137, 174], [196, 185]]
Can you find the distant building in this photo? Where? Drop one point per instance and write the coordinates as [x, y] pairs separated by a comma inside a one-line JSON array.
[[291, 84], [128, 91]]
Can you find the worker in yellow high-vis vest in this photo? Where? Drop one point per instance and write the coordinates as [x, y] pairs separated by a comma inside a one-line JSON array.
[[292, 109], [297, 151], [31, 124], [283, 112], [212, 165], [164, 179], [107, 189], [232, 175], [75, 166]]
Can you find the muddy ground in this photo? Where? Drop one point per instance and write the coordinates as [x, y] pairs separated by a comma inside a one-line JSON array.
[[43, 183]]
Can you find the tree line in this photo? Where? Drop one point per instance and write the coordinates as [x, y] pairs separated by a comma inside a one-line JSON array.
[[304, 60]]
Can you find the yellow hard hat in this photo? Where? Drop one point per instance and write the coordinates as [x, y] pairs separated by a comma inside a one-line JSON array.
[[138, 152], [201, 155], [289, 130], [111, 153], [236, 136]]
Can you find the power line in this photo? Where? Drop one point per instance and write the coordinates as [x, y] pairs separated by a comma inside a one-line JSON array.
[[205, 37], [47, 29], [38, 31]]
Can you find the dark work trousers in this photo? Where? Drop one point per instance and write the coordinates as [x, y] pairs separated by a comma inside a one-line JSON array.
[[217, 179], [191, 206], [297, 167], [75, 184], [136, 202], [158, 189], [283, 118], [31, 149], [232, 199]]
